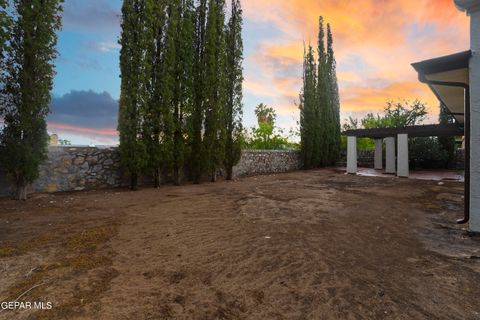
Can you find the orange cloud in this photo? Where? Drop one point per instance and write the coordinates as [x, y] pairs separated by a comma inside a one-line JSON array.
[[104, 132], [373, 99], [375, 43]]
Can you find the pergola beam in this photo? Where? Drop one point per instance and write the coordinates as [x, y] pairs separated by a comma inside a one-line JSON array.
[[435, 130]]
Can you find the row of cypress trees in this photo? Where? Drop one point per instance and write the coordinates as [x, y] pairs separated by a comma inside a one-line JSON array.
[[27, 53], [181, 88], [320, 104]]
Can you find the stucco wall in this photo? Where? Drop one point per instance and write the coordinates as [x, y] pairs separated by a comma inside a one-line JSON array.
[[86, 168]]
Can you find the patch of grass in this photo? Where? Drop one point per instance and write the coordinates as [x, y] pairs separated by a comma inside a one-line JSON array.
[[77, 254], [81, 297], [85, 262], [9, 250], [26, 283], [89, 239], [83, 246]]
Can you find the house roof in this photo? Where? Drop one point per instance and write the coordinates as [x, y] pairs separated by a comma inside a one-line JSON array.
[[454, 61], [448, 78]]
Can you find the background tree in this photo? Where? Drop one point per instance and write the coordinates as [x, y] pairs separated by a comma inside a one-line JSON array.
[[447, 143], [265, 114], [234, 76], [267, 136], [215, 90], [133, 93], [28, 82]]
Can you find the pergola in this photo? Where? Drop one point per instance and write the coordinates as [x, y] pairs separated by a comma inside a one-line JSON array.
[[455, 80], [395, 162]]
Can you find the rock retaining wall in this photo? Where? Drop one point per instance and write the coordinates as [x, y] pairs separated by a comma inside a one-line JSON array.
[[460, 159], [365, 158], [86, 168], [254, 162], [79, 168]]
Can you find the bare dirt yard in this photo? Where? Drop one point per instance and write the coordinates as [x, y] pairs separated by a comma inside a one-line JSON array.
[[301, 245]]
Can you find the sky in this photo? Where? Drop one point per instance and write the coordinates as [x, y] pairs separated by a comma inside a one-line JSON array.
[[375, 42]]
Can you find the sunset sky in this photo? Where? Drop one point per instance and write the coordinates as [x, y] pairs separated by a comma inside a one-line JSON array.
[[375, 43]]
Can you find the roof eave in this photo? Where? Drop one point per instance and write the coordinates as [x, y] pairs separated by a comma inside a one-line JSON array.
[[455, 61]]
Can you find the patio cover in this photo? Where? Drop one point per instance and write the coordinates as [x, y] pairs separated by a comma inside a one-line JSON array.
[[433, 130]]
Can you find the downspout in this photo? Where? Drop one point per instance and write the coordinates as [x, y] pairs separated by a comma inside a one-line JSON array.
[[465, 86]]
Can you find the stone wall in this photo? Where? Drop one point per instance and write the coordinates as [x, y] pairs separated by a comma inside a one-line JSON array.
[[365, 158], [79, 168], [460, 159], [87, 168], [75, 169], [254, 162]]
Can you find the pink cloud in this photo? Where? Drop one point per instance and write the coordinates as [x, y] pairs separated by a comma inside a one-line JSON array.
[[103, 135]]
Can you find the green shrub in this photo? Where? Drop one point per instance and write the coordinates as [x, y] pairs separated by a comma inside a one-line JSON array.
[[266, 137], [427, 153]]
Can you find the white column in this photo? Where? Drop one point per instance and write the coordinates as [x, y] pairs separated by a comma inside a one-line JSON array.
[[352, 155], [402, 156], [378, 154], [475, 122], [390, 155]]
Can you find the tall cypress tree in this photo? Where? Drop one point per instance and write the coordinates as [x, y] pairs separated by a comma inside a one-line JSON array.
[[133, 93], [183, 91], [309, 110], [4, 31], [234, 76], [334, 131], [320, 111], [321, 152], [159, 64], [28, 83], [215, 93], [5, 24], [196, 120], [155, 30], [166, 87]]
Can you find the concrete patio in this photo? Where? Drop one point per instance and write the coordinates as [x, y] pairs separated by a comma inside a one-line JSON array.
[[429, 175]]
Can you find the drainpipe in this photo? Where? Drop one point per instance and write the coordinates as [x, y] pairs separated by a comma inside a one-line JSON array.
[[466, 216]]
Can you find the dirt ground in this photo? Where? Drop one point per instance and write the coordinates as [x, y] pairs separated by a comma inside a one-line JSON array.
[[302, 245]]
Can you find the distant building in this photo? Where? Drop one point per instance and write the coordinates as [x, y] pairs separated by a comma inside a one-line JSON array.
[[54, 139]]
